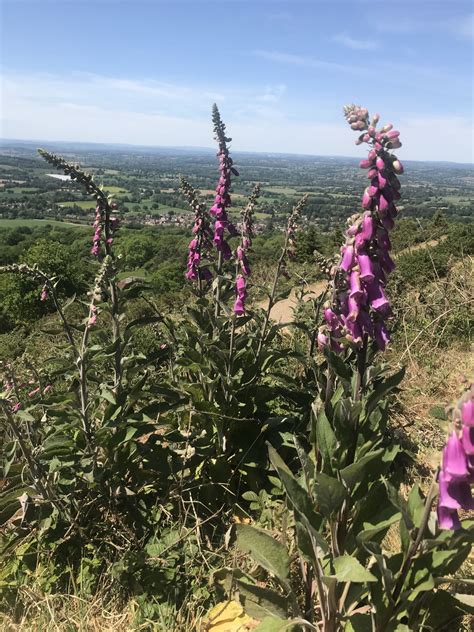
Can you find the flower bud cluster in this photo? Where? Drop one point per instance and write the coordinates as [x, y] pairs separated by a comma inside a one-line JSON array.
[[103, 208], [96, 293], [289, 251], [246, 234], [359, 307], [222, 199], [200, 245], [457, 470]]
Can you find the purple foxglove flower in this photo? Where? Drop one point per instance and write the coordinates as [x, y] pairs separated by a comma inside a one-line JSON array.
[[366, 164], [354, 329], [347, 258], [448, 519], [379, 163], [365, 322], [239, 307], [381, 180], [454, 494], [240, 285], [386, 128], [322, 340], [378, 146], [467, 413], [381, 335], [454, 458], [372, 190], [355, 287], [377, 298], [366, 200], [383, 204], [353, 310], [467, 439], [372, 155], [331, 318], [365, 267], [206, 274], [372, 173], [366, 231]]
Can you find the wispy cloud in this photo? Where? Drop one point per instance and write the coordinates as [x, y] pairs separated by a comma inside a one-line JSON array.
[[464, 27], [272, 94], [79, 108], [301, 60], [356, 44]]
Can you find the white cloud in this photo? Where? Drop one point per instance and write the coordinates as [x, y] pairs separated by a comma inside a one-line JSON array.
[[302, 60], [356, 44], [79, 109], [464, 27]]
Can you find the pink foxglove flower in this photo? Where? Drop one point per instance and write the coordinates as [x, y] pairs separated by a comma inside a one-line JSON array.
[[457, 468], [222, 199], [242, 262], [359, 297]]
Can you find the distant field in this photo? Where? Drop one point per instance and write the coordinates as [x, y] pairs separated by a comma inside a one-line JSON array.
[[16, 190], [114, 189], [12, 223], [283, 190], [86, 204]]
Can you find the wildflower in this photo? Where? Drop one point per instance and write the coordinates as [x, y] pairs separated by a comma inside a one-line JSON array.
[[92, 316], [457, 468], [47, 388], [359, 279], [241, 291], [34, 392], [16, 407], [222, 199], [201, 243], [242, 249], [44, 293], [97, 231]]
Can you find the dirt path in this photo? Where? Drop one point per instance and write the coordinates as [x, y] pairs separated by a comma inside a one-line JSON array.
[[283, 311]]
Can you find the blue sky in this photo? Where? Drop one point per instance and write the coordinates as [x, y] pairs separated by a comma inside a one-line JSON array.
[[148, 71]]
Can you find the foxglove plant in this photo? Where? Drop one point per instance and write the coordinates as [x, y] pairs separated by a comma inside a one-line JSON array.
[[242, 263], [287, 252], [222, 199], [359, 308], [457, 469], [200, 246]]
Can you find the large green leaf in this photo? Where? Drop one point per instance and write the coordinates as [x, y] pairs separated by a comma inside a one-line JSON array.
[[349, 569], [355, 472], [329, 492], [260, 602], [325, 437], [383, 388], [265, 550]]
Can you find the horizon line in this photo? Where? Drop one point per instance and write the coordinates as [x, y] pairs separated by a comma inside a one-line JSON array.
[[208, 149]]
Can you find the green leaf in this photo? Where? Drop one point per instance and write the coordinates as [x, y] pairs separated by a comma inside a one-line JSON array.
[[354, 473], [416, 505], [382, 389], [329, 492], [337, 364], [265, 550], [325, 437], [259, 602], [349, 569], [438, 412]]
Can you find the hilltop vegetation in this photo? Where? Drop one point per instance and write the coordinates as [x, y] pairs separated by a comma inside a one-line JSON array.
[[172, 459]]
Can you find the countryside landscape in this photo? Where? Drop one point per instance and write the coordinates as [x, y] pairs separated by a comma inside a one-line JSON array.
[[236, 316]]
